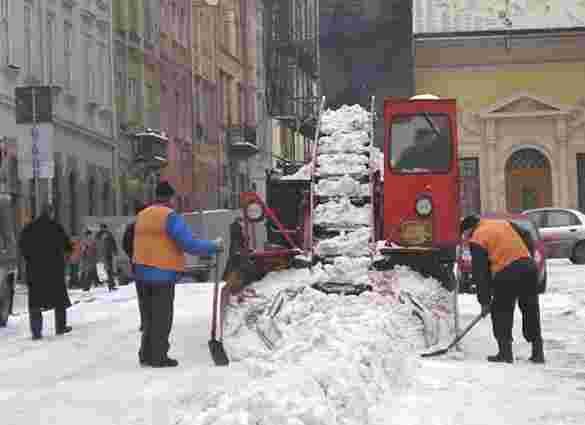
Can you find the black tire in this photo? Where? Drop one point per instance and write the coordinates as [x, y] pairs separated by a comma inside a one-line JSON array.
[[578, 254]]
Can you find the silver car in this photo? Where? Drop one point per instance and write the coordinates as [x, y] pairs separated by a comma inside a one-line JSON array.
[[563, 232]]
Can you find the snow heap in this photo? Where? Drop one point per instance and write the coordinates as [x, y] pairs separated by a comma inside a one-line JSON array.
[[338, 355], [340, 142], [347, 118], [341, 213], [342, 164], [352, 244], [304, 173]]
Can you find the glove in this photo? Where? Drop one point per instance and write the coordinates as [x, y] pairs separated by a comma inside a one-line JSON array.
[[485, 309], [220, 247]]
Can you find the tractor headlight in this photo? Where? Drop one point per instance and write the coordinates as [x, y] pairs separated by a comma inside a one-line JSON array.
[[424, 207], [254, 212]]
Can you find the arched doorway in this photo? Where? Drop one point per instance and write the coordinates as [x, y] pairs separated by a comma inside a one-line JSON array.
[[528, 180]]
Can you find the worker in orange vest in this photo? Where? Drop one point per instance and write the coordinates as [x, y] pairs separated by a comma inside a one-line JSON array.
[[161, 237], [504, 272]]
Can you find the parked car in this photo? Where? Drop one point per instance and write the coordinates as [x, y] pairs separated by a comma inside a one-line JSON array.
[[563, 232], [464, 269]]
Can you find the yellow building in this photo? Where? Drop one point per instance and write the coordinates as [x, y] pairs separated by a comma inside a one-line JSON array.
[[521, 114]]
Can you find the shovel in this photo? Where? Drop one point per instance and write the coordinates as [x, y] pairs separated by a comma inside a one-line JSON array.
[[457, 338], [216, 349]]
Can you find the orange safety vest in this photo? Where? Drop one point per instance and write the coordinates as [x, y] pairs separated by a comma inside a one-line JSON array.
[[152, 245], [503, 244]]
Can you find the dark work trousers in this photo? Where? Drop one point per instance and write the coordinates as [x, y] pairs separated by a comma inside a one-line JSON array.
[[516, 283], [110, 269], [158, 320], [35, 316]]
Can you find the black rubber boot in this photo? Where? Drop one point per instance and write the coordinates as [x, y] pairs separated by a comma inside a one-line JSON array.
[[537, 352], [504, 353]]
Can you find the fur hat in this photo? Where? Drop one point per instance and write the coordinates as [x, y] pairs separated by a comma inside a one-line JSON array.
[[164, 190]]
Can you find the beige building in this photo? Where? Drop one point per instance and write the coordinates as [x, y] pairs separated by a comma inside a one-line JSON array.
[[521, 116]]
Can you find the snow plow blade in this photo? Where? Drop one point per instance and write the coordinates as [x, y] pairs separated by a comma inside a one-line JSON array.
[[456, 340]]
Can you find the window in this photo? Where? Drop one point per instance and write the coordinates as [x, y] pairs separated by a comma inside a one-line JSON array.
[[420, 143], [561, 219], [102, 72], [28, 40], [89, 69], [132, 87], [149, 96], [91, 197], [68, 54], [50, 48]]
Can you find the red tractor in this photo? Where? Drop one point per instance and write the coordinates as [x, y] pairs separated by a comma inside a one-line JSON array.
[[415, 206]]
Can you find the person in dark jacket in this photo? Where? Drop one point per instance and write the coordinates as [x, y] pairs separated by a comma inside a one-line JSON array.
[[161, 237], [128, 247], [505, 273], [44, 245]]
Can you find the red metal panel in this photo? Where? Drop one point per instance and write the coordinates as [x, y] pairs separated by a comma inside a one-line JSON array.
[[401, 191]]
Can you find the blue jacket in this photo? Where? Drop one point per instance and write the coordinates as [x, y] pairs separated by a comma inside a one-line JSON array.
[[179, 231]]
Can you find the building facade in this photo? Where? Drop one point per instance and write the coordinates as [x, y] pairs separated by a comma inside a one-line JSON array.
[[66, 45], [521, 114]]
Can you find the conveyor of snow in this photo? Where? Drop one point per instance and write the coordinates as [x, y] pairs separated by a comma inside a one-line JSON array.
[[347, 118], [341, 213], [351, 244], [338, 142], [342, 186]]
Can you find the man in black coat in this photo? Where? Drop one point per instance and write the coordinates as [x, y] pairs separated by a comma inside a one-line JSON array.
[[44, 244]]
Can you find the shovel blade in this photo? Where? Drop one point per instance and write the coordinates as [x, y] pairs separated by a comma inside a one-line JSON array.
[[435, 353], [218, 353]]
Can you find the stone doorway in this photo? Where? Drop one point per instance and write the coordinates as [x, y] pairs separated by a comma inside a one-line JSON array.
[[528, 180]]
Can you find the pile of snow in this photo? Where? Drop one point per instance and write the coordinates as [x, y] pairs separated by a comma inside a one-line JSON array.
[[339, 356], [351, 244], [304, 173], [347, 118], [342, 213], [339, 142], [343, 186]]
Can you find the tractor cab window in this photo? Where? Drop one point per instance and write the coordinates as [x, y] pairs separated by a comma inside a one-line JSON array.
[[420, 143]]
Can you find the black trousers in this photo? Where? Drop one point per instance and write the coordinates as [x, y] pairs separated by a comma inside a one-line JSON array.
[[158, 300], [35, 316], [516, 284]]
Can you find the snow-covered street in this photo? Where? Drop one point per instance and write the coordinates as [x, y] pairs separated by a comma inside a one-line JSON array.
[[92, 376]]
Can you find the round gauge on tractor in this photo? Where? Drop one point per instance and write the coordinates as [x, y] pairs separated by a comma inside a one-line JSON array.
[[424, 207], [254, 212]]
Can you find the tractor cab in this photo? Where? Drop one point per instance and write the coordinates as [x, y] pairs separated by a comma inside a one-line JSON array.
[[418, 203]]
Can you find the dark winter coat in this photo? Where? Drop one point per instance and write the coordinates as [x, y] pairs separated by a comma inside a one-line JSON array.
[[44, 244], [106, 246], [128, 241]]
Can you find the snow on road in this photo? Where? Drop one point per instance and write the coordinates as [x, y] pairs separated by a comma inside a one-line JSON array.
[[92, 376]]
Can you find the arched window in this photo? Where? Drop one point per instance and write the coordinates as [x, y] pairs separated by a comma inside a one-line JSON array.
[[73, 202], [91, 196]]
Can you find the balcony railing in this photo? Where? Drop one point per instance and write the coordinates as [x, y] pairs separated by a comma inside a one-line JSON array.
[[242, 140]]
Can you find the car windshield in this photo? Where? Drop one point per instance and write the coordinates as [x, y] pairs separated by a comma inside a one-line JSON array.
[[420, 143]]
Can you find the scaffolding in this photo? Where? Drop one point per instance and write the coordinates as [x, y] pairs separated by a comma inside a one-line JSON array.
[[292, 62]]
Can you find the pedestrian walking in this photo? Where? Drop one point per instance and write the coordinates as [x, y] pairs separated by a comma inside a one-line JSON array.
[[505, 273], [88, 261], [74, 259], [44, 245], [106, 250], [161, 237], [128, 247]]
